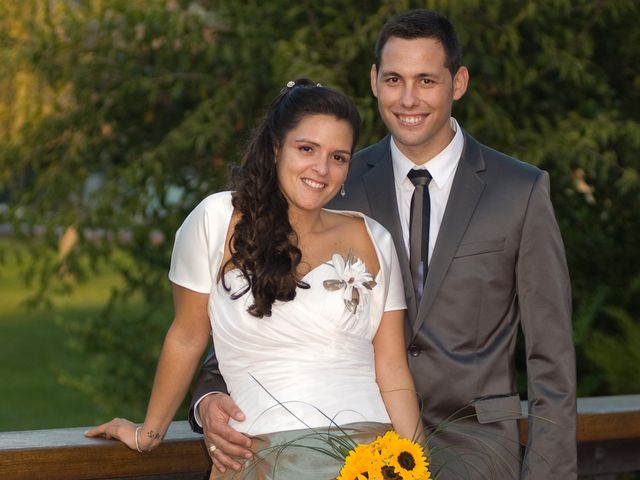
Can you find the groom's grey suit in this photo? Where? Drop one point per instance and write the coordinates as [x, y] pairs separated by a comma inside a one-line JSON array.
[[498, 262]]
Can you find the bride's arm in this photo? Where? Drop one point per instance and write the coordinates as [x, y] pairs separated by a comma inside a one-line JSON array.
[[182, 350], [393, 376]]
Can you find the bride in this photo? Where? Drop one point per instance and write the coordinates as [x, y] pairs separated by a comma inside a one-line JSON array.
[[305, 305]]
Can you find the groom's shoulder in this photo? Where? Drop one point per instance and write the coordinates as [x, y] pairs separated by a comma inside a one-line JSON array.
[[363, 158], [499, 162], [374, 149]]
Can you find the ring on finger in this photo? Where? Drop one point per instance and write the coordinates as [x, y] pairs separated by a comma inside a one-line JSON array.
[[212, 448]]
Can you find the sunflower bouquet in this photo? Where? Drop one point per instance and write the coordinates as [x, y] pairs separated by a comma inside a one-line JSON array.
[[387, 457], [369, 451]]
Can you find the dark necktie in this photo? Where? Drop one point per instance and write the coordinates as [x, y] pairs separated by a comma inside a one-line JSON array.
[[419, 229]]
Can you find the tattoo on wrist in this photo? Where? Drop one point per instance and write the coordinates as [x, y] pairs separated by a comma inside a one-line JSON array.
[[154, 435]]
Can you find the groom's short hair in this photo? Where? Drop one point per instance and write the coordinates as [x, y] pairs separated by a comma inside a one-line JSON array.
[[422, 23]]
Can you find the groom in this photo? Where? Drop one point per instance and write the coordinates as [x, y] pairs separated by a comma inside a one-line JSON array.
[[481, 256]]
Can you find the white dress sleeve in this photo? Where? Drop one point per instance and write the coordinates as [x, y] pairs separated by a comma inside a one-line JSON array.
[[199, 244], [396, 299], [389, 291]]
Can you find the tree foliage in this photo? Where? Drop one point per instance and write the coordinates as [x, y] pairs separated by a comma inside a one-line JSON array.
[[117, 116]]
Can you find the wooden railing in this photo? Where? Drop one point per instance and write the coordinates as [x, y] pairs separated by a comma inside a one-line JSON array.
[[608, 444]]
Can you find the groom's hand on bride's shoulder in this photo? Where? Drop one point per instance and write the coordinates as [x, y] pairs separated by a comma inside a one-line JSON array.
[[215, 410]]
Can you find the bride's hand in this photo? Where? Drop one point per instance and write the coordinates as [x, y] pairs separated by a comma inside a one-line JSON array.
[[119, 429]]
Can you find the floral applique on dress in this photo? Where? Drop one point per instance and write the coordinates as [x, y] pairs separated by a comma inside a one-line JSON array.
[[354, 279]]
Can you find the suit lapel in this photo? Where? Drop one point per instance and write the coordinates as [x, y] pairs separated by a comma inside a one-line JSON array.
[[381, 194], [465, 193]]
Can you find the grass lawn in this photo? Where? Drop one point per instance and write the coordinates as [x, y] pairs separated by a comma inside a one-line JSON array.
[[34, 349]]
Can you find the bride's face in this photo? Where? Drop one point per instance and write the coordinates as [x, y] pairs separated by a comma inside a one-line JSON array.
[[313, 161]]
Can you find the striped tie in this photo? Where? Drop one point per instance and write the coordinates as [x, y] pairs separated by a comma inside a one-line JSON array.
[[419, 229]]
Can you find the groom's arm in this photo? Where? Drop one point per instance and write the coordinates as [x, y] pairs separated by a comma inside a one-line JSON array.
[[544, 297], [209, 381], [211, 408]]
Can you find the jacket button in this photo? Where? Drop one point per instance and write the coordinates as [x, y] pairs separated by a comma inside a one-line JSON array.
[[414, 350]]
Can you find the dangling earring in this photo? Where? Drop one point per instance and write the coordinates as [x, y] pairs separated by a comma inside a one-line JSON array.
[[342, 192]]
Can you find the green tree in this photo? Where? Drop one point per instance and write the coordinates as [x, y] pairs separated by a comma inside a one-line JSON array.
[[141, 107]]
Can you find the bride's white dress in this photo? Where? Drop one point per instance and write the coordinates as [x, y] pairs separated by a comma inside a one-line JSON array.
[[310, 364]]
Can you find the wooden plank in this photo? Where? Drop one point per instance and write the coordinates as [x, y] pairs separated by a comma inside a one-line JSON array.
[[601, 418], [608, 436], [65, 454]]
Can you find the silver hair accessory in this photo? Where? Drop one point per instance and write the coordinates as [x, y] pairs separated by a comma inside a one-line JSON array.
[[291, 84]]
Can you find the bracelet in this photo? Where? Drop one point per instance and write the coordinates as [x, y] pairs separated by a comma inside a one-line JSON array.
[[137, 442]]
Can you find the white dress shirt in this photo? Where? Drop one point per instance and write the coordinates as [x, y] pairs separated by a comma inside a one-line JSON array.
[[442, 168]]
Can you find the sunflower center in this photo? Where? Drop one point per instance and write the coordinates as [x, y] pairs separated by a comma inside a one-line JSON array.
[[406, 461], [389, 473]]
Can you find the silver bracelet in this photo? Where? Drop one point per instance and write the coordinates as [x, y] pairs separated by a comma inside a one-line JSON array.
[[137, 443]]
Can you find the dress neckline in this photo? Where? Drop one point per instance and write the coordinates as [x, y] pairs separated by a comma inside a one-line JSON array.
[[317, 267], [349, 213]]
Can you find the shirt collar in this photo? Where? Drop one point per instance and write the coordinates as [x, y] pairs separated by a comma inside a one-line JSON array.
[[441, 167]]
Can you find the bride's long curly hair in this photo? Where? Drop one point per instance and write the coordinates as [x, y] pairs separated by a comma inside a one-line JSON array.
[[263, 245]]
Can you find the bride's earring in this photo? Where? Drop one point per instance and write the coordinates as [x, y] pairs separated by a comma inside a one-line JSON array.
[[342, 192]]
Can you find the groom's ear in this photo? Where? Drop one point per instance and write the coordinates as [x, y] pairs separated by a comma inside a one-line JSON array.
[[374, 80], [460, 82]]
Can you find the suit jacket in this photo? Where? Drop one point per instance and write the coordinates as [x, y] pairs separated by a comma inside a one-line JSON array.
[[498, 263]]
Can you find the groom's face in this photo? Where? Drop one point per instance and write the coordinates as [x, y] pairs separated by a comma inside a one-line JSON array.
[[415, 93]]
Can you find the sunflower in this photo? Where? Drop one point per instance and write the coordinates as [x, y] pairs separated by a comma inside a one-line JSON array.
[[385, 443], [388, 457], [408, 459], [389, 473], [358, 464]]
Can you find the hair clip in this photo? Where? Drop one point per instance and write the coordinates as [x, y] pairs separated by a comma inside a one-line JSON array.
[[291, 84]]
